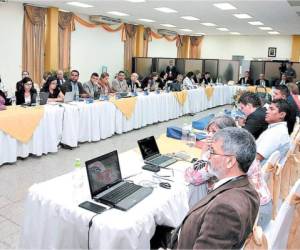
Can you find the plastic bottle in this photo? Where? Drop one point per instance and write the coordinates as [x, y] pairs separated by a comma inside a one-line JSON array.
[[77, 180], [77, 95], [185, 133]]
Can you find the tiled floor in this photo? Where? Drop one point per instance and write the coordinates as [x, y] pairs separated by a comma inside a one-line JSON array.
[[15, 179]]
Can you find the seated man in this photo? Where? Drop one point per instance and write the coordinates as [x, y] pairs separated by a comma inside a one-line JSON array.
[[105, 88], [225, 217], [92, 87], [206, 79], [276, 137], [177, 84], [60, 78], [134, 82], [282, 81], [72, 85], [151, 82], [255, 122], [262, 81], [188, 81], [246, 79], [119, 84]]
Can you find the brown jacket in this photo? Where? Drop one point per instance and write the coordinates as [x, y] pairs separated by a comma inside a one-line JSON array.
[[223, 219]]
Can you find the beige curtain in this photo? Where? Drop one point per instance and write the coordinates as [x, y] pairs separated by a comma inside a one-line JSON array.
[[34, 42], [65, 27], [179, 45], [129, 46], [195, 46], [183, 44], [147, 39]]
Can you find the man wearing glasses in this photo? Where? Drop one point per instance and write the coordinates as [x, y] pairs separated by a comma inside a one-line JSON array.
[[225, 217], [73, 85]]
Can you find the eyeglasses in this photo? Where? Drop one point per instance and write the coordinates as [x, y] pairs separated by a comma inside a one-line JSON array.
[[211, 152]]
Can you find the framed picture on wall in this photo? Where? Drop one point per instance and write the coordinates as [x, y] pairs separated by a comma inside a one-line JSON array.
[[272, 52], [104, 69]]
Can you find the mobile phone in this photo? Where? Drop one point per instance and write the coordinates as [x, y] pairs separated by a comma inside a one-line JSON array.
[[98, 209]]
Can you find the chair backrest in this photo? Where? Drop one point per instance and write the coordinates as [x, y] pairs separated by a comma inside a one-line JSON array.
[[284, 233]]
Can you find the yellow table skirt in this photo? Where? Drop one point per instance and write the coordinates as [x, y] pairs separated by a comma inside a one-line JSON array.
[[181, 96], [20, 123], [125, 105], [209, 91]]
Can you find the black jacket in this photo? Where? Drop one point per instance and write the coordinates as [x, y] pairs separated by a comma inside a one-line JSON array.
[[255, 122], [67, 87], [249, 81], [20, 99], [266, 82]]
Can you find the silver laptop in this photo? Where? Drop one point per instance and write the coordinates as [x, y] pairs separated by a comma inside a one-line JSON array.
[[151, 155], [69, 97], [108, 187]]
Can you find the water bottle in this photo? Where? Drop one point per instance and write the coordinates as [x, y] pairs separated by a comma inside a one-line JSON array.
[[77, 180], [185, 133], [13, 100], [129, 89], [77, 95]]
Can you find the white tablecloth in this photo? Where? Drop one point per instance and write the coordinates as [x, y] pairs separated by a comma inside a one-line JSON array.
[[44, 140], [80, 122], [54, 221]]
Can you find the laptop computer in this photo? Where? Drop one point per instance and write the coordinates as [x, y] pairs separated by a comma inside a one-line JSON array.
[[108, 187], [44, 98], [69, 97], [151, 155]]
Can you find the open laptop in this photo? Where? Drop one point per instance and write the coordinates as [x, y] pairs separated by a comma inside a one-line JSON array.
[[108, 187], [69, 97], [151, 155], [44, 98]]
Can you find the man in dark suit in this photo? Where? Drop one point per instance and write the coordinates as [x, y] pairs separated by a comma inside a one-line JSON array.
[[225, 217], [74, 86], [206, 79], [262, 81], [246, 79], [60, 78], [283, 81], [255, 122], [171, 70]]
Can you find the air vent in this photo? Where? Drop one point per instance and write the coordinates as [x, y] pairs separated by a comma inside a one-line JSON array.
[[165, 32], [294, 3], [104, 19]]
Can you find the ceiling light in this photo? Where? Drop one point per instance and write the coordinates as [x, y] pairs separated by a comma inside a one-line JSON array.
[[242, 16], [209, 24], [273, 32], [265, 28], [256, 23], [224, 6], [82, 5], [168, 25], [200, 34], [166, 10], [190, 18], [186, 30], [223, 29], [136, 1], [117, 13], [146, 20], [235, 33]]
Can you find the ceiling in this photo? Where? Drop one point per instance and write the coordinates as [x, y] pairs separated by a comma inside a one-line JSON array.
[[280, 15]]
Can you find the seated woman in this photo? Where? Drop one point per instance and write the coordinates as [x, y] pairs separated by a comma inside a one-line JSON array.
[[162, 80], [55, 95], [188, 82], [27, 93], [7, 101], [2, 103], [177, 84], [151, 82], [254, 173]]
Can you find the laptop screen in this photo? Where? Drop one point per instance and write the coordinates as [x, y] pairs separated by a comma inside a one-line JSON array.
[[148, 147], [103, 172]]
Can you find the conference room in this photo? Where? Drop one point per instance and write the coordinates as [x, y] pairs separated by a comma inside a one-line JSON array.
[[144, 124]]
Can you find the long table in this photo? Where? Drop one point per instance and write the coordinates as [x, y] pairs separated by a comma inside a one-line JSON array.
[[79, 122], [53, 219]]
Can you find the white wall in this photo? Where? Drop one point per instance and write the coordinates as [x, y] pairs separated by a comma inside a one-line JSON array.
[[92, 48], [162, 48], [11, 30], [223, 47]]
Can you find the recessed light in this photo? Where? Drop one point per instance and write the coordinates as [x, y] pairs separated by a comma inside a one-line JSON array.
[[273, 32], [225, 6], [62, 10], [209, 24], [82, 5], [146, 20], [223, 29], [117, 13], [256, 23], [265, 28], [190, 18], [136, 1], [186, 30], [166, 10], [200, 33], [235, 33], [168, 25], [242, 16]]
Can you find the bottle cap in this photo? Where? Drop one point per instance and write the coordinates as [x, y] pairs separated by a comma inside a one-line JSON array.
[[77, 163]]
